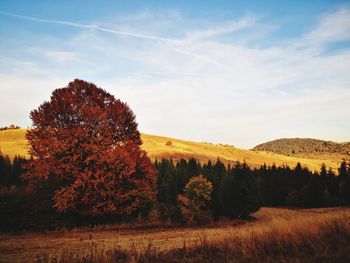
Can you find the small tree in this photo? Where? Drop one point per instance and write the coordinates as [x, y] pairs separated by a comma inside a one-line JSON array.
[[86, 153], [323, 171], [195, 202]]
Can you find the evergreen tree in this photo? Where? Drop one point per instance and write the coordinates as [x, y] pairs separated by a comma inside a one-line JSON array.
[[5, 170], [218, 172], [342, 170], [240, 195], [323, 171], [17, 170], [312, 194], [292, 198], [344, 190]]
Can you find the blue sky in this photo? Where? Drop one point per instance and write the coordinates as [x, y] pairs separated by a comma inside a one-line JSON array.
[[219, 71]]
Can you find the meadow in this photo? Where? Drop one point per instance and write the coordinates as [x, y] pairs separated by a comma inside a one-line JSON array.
[[270, 235], [13, 142]]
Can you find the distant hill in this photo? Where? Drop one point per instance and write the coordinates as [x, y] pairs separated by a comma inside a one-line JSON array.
[[307, 148], [13, 142]]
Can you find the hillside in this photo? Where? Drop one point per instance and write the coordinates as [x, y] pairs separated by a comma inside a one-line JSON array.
[[13, 142], [305, 147]]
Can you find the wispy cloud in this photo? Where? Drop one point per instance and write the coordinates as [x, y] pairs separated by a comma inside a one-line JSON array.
[[197, 85], [124, 33], [225, 28], [60, 56], [333, 27]]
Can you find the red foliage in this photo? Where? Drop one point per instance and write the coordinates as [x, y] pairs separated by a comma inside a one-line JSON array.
[[88, 143]]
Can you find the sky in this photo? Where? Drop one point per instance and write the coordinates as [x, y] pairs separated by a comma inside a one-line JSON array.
[[232, 72]]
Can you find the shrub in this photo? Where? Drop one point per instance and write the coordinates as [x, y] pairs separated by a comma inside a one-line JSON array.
[[194, 203]]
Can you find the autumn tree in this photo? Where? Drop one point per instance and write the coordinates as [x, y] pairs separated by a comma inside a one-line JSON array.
[[195, 201], [85, 145]]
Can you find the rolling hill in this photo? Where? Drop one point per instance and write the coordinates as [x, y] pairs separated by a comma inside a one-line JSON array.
[[306, 147], [12, 142]]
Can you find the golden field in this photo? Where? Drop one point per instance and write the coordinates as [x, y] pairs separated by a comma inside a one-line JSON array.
[[270, 229], [12, 142]]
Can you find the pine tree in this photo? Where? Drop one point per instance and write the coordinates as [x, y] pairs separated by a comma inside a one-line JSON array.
[[217, 174], [5, 170], [240, 194], [312, 194], [342, 170], [323, 171]]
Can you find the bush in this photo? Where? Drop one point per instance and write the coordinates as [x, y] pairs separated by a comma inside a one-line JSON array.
[[195, 202]]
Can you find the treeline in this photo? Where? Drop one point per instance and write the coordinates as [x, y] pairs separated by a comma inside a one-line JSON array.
[[240, 190], [302, 146], [237, 187], [236, 191], [299, 187], [10, 127]]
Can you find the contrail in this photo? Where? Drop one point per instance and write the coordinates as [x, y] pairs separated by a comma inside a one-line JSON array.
[[88, 26], [200, 57], [117, 32]]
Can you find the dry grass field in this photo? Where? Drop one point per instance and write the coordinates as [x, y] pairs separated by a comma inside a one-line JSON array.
[[284, 226], [13, 142], [271, 235]]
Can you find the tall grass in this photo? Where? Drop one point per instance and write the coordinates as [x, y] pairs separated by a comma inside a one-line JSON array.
[[311, 239]]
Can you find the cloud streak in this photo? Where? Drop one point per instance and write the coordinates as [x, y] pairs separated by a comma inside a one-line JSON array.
[[89, 26], [121, 33], [223, 29], [333, 27]]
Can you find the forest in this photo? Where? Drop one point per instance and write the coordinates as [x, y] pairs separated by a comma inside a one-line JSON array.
[[236, 192], [306, 147]]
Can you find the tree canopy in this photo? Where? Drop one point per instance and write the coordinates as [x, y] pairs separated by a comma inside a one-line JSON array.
[[86, 143]]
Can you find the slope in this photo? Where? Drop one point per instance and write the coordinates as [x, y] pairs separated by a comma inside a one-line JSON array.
[[12, 142], [306, 147]]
